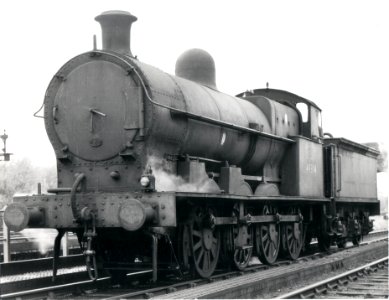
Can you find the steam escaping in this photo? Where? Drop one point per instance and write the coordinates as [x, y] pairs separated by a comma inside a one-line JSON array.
[[166, 181], [382, 161], [43, 238], [380, 223]]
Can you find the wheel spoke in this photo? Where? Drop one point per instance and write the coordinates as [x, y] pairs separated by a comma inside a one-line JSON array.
[[266, 247], [196, 233], [276, 249], [206, 261], [198, 245], [213, 251], [272, 250], [265, 236], [201, 254], [245, 255]]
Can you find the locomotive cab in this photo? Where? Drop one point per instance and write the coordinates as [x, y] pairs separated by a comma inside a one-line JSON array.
[[308, 112], [311, 123]]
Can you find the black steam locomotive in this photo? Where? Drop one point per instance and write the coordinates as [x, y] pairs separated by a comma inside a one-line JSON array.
[[164, 172]]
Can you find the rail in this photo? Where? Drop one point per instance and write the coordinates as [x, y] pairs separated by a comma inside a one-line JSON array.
[[322, 286]]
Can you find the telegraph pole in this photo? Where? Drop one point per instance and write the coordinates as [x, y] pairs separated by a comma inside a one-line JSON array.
[[6, 232]]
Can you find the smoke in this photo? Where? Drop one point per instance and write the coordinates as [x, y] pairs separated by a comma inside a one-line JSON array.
[[382, 160], [42, 238], [380, 223], [165, 180]]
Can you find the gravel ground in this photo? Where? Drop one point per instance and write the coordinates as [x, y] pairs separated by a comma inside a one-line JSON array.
[[314, 279], [264, 284]]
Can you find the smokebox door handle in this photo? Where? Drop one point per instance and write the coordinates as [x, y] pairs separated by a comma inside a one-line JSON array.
[[55, 110]]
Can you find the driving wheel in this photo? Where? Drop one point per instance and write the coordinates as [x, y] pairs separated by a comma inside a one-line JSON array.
[[267, 240], [204, 243], [292, 239]]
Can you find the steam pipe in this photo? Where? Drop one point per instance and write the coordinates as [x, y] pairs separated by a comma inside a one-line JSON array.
[[73, 201]]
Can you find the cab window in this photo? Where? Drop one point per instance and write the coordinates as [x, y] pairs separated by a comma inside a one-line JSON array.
[[303, 108]]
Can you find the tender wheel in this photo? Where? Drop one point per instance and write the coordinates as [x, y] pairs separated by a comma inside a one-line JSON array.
[[267, 239], [292, 239], [204, 244]]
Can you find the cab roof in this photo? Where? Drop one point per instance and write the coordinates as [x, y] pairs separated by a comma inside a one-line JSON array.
[[279, 96]]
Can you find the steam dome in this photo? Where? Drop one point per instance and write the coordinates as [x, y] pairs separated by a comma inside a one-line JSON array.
[[197, 65]]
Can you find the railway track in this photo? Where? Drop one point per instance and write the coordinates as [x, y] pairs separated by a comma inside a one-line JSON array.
[[26, 247], [367, 281], [265, 283], [23, 276], [64, 288]]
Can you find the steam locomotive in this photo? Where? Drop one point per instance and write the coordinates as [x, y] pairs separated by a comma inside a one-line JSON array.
[[166, 173]]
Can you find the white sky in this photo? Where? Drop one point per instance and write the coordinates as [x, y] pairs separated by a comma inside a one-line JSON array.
[[335, 53]]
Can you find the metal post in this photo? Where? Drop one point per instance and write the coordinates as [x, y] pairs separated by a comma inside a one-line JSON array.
[[154, 258], [65, 245], [6, 243], [57, 247]]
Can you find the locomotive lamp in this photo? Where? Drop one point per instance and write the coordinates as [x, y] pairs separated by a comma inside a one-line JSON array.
[[6, 155], [147, 181]]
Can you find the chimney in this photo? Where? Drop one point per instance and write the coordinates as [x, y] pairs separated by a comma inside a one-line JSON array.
[[116, 30]]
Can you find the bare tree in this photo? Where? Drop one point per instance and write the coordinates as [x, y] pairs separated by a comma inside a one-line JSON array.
[[21, 177]]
